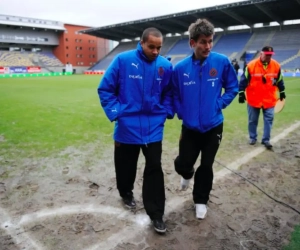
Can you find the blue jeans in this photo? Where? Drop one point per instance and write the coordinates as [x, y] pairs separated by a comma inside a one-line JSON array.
[[253, 116]]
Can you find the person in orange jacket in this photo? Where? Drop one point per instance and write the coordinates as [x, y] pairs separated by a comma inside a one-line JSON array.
[[261, 81]]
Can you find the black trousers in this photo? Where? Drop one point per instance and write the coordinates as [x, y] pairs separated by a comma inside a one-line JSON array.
[[126, 158], [190, 145]]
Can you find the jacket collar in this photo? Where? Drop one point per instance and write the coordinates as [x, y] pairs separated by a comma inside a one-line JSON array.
[[199, 62]]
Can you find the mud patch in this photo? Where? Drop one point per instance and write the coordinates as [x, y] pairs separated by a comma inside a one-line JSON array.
[[83, 180]]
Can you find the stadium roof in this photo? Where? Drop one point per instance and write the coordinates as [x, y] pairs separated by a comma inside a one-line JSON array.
[[222, 16], [30, 22]]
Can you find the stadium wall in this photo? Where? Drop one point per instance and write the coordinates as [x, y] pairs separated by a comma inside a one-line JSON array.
[[78, 49], [21, 35]]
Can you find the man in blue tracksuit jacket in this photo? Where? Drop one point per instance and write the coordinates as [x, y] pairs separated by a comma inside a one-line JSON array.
[[136, 93], [198, 81]]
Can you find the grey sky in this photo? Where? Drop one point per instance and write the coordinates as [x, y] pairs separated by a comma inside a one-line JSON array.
[[100, 12]]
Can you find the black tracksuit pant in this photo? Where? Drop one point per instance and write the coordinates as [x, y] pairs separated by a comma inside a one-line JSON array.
[[126, 158], [190, 145]]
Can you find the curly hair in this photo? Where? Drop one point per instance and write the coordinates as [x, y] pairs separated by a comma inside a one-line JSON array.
[[201, 27]]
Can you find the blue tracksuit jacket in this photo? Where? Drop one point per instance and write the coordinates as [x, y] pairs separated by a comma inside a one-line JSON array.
[[137, 94], [198, 97]]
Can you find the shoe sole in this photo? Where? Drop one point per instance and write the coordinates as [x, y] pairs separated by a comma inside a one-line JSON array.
[[160, 230], [268, 147]]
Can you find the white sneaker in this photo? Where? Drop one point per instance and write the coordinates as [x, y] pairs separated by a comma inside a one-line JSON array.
[[184, 183], [201, 211]]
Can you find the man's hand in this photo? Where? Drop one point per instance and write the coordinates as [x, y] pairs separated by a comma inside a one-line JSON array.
[[242, 97]]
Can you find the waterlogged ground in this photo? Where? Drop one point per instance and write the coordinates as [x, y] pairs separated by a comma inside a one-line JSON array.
[[69, 201]]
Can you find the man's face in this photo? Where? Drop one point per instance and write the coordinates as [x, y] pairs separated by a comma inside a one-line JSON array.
[[202, 46], [152, 47], [265, 58]]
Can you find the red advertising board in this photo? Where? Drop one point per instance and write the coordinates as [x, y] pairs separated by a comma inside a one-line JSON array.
[[2, 70], [33, 69]]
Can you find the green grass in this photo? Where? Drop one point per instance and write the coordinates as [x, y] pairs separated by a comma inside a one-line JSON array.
[[43, 115], [295, 240]]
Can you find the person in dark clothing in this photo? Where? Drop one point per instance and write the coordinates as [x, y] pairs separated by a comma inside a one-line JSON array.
[[198, 81], [136, 93]]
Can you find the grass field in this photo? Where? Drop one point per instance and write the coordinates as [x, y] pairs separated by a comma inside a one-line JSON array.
[[40, 117]]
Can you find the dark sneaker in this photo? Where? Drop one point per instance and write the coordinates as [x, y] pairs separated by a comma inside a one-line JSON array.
[[267, 144], [252, 142], [129, 202], [159, 225]]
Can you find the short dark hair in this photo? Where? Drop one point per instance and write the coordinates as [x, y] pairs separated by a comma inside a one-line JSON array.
[[201, 27], [150, 31]]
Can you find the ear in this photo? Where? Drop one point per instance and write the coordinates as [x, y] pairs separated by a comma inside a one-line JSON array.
[[192, 43]]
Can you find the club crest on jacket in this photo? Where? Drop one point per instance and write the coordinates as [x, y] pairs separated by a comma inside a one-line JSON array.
[[161, 71], [213, 72]]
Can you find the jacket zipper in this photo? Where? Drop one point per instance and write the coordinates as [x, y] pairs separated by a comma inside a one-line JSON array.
[[200, 85], [143, 90]]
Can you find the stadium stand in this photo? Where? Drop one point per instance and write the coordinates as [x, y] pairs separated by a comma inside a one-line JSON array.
[[235, 41], [242, 46], [289, 59], [231, 44], [123, 46], [48, 59], [236, 44], [169, 43], [258, 40], [12, 58], [286, 39], [17, 58], [179, 50]]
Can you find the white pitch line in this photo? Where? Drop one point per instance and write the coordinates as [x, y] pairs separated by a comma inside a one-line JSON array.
[[67, 210], [18, 235], [119, 237], [125, 234], [239, 162], [173, 204]]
